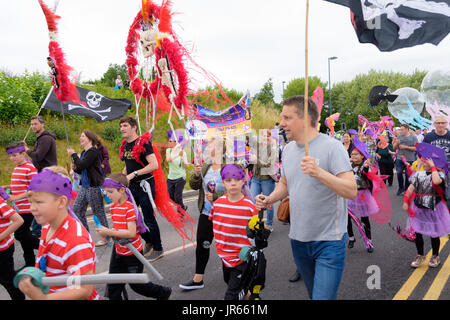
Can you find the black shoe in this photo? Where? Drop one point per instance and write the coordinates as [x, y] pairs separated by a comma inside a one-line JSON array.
[[166, 295], [351, 243], [191, 285], [370, 250], [295, 277], [399, 192]]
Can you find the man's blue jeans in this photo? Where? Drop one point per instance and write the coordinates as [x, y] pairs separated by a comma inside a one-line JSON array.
[[321, 265], [264, 187]]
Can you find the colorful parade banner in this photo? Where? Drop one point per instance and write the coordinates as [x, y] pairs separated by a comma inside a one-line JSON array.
[[233, 121]]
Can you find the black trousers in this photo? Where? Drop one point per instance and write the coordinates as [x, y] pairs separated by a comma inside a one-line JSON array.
[[131, 264], [153, 235], [232, 277], [175, 188], [387, 169], [27, 240], [205, 237], [7, 273], [366, 224], [435, 244]]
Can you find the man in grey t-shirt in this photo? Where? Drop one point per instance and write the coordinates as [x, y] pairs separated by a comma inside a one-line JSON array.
[[317, 185], [406, 145]]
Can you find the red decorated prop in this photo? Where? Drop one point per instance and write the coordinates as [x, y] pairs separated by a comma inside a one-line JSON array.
[[60, 71], [172, 211], [157, 39]]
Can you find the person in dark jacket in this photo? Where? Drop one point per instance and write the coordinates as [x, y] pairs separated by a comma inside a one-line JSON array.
[[88, 166], [44, 152], [43, 155], [104, 156]]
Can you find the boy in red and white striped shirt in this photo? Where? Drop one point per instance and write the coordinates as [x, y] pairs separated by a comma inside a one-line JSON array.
[[20, 180], [230, 215], [66, 247], [124, 219], [10, 221]]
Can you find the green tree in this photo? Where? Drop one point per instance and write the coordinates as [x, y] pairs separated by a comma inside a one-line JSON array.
[[297, 87], [109, 77], [351, 98], [266, 94]]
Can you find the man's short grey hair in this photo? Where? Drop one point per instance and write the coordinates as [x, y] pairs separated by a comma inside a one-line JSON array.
[[39, 118], [299, 103]]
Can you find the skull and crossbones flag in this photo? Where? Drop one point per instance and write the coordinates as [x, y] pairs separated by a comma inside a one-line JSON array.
[[97, 106], [396, 24]]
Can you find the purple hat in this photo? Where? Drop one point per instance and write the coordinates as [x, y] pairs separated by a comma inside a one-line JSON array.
[[231, 171], [361, 147], [177, 136], [353, 131], [52, 182], [427, 151], [16, 150]]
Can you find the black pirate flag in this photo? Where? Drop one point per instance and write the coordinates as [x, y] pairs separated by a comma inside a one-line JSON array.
[[395, 24], [96, 105], [379, 94]]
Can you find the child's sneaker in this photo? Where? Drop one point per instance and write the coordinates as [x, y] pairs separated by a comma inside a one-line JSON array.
[[418, 260], [434, 261]]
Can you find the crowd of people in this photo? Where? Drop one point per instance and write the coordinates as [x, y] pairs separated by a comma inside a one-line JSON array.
[[333, 179]]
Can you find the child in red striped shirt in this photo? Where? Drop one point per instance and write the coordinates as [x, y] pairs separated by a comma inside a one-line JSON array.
[[126, 226], [66, 247], [230, 215], [10, 221], [20, 180]]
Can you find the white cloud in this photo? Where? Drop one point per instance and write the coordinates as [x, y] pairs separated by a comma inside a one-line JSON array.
[[243, 43]]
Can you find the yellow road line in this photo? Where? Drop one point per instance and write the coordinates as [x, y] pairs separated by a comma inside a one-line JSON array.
[[409, 286], [439, 282]]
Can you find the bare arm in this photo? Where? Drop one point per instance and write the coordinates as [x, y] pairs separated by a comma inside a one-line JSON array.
[[16, 222], [129, 233], [152, 166], [343, 184], [279, 193]]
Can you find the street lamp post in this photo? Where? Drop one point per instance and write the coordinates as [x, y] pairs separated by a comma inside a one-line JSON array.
[[329, 84], [283, 87]]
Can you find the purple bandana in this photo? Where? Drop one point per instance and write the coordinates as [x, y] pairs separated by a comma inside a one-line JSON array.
[[52, 182], [109, 183], [231, 171], [49, 181], [16, 150]]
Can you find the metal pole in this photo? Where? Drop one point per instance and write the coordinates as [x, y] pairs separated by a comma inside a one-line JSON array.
[[329, 88], [329, 85]]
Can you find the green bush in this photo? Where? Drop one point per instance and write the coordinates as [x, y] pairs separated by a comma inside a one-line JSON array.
[[111, 133], [57, 128], [16, 102], [13, 134]]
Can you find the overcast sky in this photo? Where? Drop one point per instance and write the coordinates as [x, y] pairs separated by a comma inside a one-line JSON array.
[[243, 43]]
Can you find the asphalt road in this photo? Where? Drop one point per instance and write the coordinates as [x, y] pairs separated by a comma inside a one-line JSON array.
[[384, 274]]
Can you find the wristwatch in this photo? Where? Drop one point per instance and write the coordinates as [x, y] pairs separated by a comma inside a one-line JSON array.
[[136, 174]]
